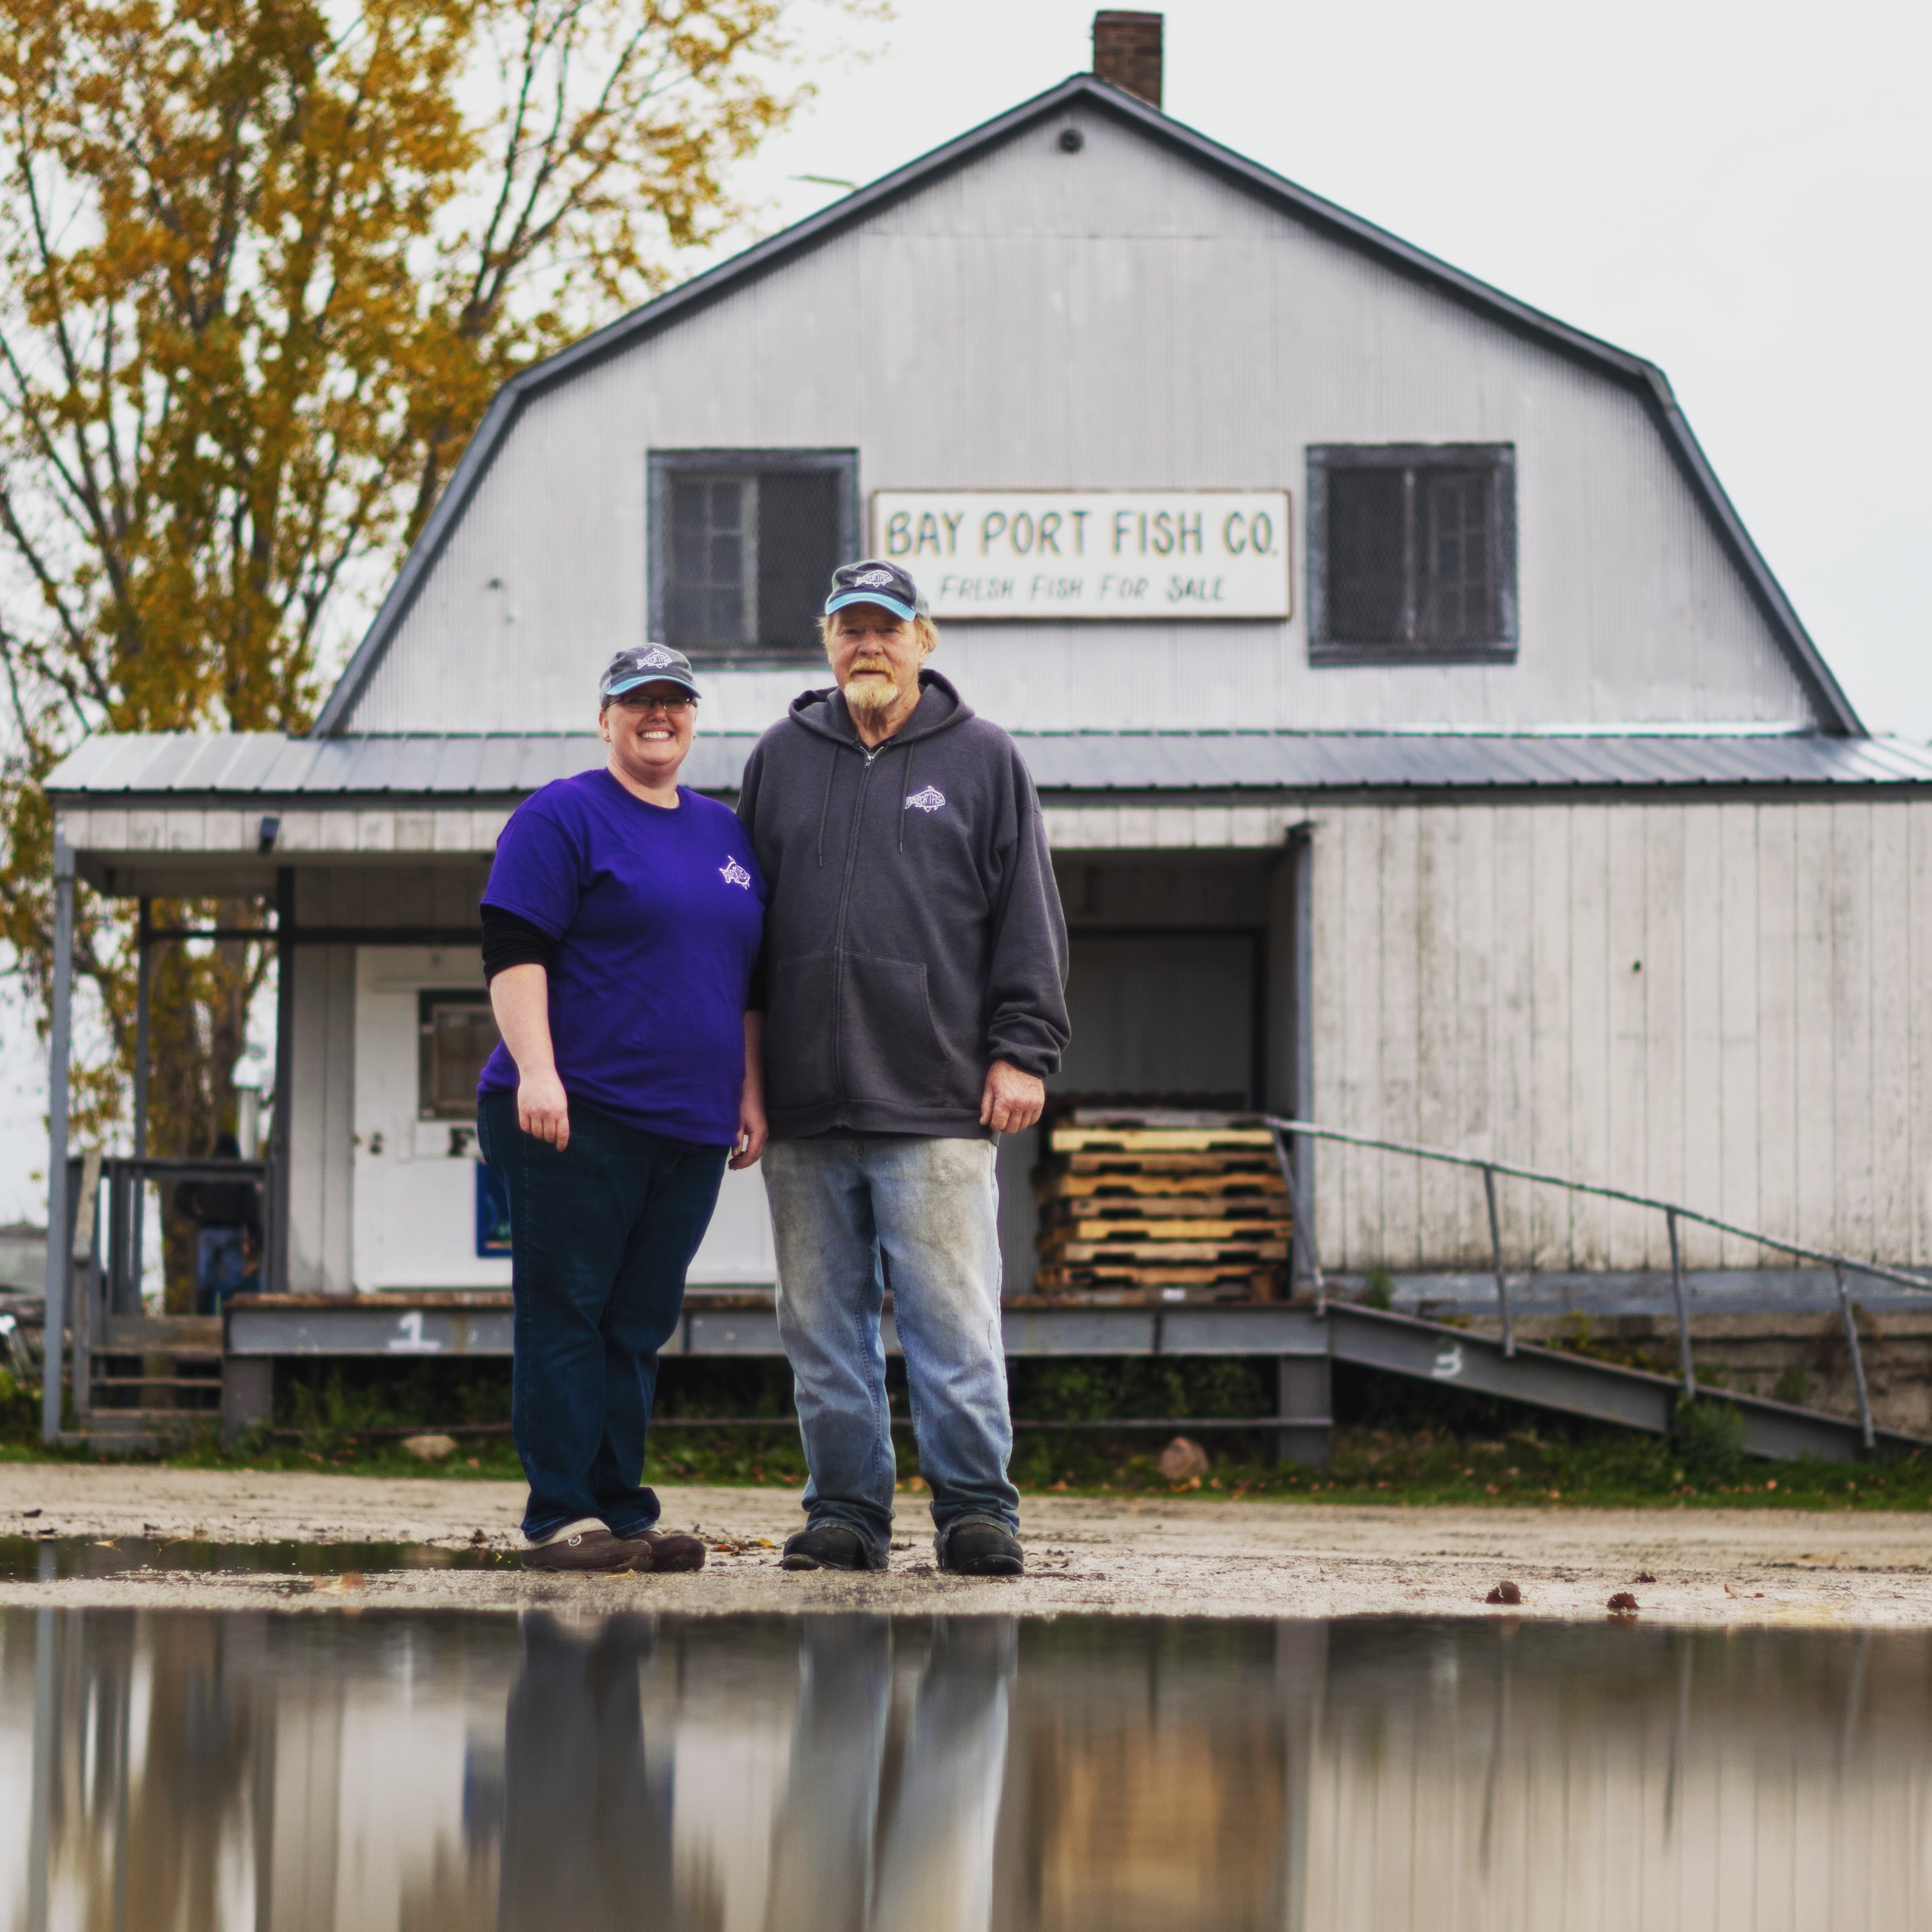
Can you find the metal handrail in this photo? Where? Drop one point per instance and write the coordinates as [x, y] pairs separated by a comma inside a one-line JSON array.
[[103, 1272], [1283, 1130]]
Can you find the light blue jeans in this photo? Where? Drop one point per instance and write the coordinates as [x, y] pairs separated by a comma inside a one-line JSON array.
[[848, 1216]]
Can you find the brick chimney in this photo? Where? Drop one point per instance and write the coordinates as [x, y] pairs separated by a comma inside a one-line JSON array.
[[1126, 51]]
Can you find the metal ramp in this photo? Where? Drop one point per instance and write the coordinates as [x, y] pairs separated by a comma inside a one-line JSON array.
[[1553, 1379], [1575, 1384]]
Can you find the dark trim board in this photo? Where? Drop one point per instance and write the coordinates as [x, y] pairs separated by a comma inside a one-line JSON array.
[[1087, 91]]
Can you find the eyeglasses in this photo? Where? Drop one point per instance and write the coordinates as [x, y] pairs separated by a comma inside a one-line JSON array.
[[636, 700]]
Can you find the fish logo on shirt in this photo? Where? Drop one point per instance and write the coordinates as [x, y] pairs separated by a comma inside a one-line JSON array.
[[928, 800], [733, 873]]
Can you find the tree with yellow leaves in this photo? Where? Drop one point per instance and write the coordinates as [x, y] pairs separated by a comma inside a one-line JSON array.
[[262, 264]]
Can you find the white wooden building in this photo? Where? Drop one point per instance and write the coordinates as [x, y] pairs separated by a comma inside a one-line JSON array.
[[1427, 749]]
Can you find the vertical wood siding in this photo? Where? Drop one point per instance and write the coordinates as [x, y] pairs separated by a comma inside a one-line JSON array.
[[1715, 1003], [321, 1182]]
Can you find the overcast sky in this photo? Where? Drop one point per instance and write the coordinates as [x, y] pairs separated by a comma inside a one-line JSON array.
[[1741, 193]]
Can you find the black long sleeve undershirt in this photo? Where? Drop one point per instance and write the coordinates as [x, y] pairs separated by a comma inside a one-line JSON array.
[[510, 939]]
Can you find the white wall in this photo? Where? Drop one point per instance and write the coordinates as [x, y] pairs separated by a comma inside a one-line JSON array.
[[1719, 1004], [1114, 319]]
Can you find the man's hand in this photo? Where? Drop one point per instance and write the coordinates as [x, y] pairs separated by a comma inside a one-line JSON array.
[[542, 1110], [1012, 1101], [753, 1131]]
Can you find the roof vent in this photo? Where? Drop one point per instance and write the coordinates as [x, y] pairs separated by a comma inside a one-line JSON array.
[[1126, 51]]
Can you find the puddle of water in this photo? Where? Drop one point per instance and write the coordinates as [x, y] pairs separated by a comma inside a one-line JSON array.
[[34, 1559], [249, 1769]]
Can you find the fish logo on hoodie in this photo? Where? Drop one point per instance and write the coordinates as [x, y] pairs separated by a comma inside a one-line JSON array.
[[928, 800], [733, 873]]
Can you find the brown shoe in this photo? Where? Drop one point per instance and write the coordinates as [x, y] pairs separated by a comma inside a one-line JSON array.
[[587, 1545], [673, 1550]]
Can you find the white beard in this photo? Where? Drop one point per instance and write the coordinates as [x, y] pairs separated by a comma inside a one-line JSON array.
[[871, 691]]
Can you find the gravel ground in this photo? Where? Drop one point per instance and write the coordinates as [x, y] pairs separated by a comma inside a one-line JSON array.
[[1143, 1557]]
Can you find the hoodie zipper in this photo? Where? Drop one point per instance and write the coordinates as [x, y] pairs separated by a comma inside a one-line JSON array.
[[870, 754]]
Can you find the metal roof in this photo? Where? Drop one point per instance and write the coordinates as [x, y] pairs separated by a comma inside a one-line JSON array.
[[264, 765], [1632, 372]]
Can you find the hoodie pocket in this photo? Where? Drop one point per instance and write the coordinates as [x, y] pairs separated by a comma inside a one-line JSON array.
[[799, 1066], [889, 1049]]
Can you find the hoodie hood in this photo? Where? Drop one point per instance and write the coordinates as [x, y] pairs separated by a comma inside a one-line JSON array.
[[940, 708]]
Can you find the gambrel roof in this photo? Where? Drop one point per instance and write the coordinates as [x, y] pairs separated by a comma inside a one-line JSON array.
[[1632, 373]]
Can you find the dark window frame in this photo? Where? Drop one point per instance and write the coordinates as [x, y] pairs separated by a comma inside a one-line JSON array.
[[664, 464], [1500, 459], [428, 999]]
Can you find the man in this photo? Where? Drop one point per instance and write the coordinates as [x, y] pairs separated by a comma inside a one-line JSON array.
[[915, 973]]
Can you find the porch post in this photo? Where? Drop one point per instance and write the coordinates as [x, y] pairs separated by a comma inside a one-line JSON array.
[[285, 1061], [143, 1001], [132, 1199], [60, 1266]]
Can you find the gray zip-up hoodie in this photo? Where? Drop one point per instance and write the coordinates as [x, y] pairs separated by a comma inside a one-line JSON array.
[[913, 931]]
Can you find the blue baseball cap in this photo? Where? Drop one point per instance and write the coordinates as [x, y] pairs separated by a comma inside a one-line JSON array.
[[645, 664], [877, 582]]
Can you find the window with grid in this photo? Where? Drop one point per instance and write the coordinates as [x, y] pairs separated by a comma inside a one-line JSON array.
[[1411, 552], [456, 1033], [743, 545]]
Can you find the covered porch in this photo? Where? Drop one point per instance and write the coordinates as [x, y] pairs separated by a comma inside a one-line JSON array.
[[367, 858]]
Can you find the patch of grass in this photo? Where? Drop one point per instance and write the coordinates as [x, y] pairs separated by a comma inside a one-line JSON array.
[[1792, 1385], [1397, 1442]]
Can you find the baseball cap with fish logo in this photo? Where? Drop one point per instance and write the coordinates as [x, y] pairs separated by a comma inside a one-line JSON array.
[[645, 664], [875, 581]]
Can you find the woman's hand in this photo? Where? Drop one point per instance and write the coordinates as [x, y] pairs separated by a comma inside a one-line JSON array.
[[520, 997], [753, 1128], [543, 1108]]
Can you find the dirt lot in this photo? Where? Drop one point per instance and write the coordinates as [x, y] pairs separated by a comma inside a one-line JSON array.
[[1181, 1556]]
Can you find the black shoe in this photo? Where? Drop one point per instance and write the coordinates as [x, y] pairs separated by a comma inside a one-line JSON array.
[[831, 1545], [587, 1545], [979, 1549]]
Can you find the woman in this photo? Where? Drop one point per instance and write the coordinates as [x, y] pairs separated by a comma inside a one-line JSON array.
[[620, 926]]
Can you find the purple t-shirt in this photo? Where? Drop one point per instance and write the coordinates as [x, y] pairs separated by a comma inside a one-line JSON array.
[[657, 915]]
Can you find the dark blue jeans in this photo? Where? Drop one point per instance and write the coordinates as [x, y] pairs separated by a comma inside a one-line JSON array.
[[600, 1237]]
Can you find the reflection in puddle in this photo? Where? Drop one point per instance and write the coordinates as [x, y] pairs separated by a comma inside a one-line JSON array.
[[574, 1774], [41, 1559]]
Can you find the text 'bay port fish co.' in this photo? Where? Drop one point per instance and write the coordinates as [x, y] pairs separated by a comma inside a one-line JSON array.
[[1166, 554]]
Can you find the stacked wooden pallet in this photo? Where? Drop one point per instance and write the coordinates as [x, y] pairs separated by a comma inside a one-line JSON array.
[[1186, 1203]]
